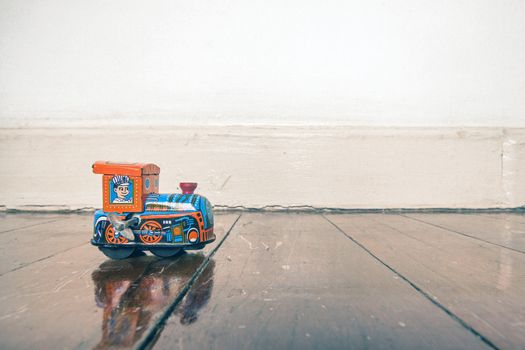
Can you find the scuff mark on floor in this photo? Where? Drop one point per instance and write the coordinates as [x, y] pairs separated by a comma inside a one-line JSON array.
[[17, 312], [247, 241]]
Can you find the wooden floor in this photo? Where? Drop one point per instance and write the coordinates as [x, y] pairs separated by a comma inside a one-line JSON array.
[[271, 281]]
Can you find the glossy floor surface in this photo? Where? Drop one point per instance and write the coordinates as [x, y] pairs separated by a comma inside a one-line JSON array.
[[271, 281]]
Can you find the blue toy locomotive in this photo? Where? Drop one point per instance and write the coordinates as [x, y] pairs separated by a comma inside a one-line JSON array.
[[135, 217]]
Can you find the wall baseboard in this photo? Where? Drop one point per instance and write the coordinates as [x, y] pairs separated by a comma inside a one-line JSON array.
[[56, 209], [284, 167]]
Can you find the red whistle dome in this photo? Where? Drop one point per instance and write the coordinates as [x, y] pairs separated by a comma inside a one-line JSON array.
[[188, 187]]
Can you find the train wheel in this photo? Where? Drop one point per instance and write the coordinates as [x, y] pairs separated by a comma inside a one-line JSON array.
[[111, 236], [165, 252], [117, 253], [151, 225]]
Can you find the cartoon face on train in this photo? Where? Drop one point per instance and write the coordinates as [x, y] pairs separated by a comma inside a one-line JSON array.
[[135, 217]]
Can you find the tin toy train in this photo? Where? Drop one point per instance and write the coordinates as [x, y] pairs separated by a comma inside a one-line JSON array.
[[135, 217]]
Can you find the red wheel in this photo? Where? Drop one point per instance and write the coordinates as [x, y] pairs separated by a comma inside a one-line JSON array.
[[156, 236], [111, 238]]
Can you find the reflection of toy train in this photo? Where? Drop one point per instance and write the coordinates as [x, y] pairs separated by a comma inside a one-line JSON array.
[[137, 217], [132, 292]]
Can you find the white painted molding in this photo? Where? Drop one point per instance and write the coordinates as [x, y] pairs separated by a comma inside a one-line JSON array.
[[255, 167]]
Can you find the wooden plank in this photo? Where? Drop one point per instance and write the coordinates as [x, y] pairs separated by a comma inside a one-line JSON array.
[[481, 283], [14, 222], [506, 233], [79, 299], [36, 242], [292, 281]]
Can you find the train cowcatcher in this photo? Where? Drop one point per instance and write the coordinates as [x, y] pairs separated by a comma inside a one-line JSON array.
[[136, 217]]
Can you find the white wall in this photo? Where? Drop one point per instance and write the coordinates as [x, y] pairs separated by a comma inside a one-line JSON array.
[[390, 62]]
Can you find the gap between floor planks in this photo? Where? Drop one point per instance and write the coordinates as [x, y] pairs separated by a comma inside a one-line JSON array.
[[418, 289]]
